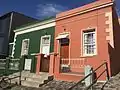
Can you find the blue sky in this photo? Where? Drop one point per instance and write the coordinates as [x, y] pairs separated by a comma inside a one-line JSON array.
[[42, 8]]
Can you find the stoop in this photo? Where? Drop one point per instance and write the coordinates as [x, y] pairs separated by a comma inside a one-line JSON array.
[[32, 79]]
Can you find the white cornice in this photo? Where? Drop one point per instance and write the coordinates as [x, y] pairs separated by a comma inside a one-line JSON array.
[[36, 28]]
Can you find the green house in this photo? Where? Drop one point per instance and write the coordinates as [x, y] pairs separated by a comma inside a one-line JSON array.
[[33, 39]]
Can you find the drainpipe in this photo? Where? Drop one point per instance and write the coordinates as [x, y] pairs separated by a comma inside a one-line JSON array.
[[10, 27]]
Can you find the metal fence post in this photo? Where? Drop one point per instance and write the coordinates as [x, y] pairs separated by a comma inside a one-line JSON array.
[[7, 66], [20, 70], [107, 72]]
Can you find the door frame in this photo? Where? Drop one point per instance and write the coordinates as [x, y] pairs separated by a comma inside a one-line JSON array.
[[59, 44]]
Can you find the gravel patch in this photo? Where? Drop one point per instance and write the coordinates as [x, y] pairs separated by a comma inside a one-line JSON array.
[[113, 83]]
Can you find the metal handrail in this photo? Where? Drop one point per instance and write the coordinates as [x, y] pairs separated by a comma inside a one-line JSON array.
[[105, 63]]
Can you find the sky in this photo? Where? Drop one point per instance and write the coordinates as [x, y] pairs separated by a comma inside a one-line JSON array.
[[43, 8]]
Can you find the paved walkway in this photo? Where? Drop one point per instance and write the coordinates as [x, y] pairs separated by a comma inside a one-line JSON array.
[[113, 84]]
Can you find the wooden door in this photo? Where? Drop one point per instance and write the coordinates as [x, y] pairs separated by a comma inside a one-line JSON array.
[[45, 64], [64, 51]]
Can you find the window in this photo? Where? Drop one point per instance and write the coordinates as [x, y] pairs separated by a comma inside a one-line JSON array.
[[89, 43], [45, 44], [25, 47]]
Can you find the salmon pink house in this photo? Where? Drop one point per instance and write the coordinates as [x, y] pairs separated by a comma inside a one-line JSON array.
[[88, 35]]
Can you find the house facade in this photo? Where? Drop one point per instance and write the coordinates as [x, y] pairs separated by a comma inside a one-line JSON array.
[[88, 35], [35, 42], [8, 22]]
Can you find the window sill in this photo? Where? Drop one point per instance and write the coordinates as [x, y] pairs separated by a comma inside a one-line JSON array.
[[88, 55]]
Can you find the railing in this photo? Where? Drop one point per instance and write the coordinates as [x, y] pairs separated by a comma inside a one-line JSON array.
[[2, 63], [14, 64], [72, 64], [95, 79], [9, 66]]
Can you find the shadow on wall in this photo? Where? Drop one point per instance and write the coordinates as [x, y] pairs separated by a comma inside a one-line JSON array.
[[114, 52]]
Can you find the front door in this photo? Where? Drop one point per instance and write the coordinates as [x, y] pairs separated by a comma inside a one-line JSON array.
[[64, 50], [45, 64]]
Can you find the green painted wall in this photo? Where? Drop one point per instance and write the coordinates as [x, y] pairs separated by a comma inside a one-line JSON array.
[[34, 43]]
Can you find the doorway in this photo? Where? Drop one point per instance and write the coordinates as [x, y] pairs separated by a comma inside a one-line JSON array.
[[64, 48], [45, 64]]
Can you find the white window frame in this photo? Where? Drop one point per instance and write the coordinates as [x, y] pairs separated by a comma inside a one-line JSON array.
[[22, 49], [41, 44], [88, 32], [12, 48]]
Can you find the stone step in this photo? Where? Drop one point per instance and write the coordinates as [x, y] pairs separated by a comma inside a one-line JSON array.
[[30, 84], [31, 79], [42, 80], [39, 80], [15, 81], [33, 75]]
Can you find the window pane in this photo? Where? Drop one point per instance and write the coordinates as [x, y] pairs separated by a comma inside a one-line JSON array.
[[26, 42], [45, 49], [45, 40]]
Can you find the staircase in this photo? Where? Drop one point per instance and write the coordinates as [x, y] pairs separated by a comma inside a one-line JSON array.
[[32, 79]]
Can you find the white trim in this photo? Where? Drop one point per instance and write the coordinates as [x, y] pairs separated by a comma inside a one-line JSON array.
[[62, 36], [11, 43], [36, 28], [35, 25], [59, 44], [41, 42], [82, 42], [13, 50]]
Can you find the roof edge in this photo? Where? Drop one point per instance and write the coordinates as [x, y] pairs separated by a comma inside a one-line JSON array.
[[84, 9]]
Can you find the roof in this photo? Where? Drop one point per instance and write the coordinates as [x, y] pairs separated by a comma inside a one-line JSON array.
[[85, 8], [14, 12], [35, 23]]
